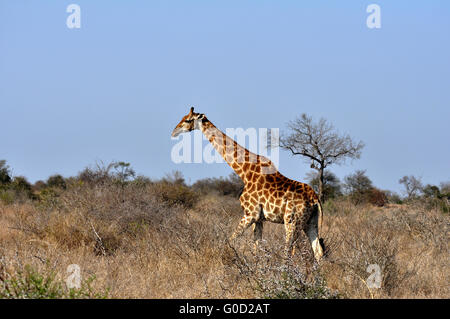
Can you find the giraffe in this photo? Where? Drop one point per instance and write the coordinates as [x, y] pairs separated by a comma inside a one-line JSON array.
[[267, 194]]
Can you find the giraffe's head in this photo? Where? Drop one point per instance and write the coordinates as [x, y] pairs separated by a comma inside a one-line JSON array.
[[189, 122]]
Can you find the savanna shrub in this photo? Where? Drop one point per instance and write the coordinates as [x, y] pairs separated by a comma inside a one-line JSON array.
[[175, 194], [376, 197], [273, 277], [56, 181], [232, 185]]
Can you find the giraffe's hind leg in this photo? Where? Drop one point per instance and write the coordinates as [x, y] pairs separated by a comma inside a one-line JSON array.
[[291, 225], [297, 220], [291, 238], [293, 232], [312, 231], [257, 230]]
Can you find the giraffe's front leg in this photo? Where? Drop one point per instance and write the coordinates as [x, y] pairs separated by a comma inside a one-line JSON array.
[[245, 223], [250, 217]]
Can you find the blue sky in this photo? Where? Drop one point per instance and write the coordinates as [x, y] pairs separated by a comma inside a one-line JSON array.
[[115, 88]]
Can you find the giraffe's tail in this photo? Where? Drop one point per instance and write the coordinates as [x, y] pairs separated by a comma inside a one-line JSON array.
[[319, 225], [319, 205]]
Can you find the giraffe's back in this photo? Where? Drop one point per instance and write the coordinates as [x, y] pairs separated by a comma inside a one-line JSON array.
[[277, 194]]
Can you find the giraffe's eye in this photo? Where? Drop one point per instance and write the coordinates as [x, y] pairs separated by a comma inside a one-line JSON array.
[[188, 121]]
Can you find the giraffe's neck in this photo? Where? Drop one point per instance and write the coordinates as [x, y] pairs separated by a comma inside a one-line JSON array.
[[234, 154]]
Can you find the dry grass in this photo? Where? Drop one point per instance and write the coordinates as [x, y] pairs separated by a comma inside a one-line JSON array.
[[137, 245], [410, 246]]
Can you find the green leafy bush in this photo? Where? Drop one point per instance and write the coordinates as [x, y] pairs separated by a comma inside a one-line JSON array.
[[5, 173], [7, 196], [17, 190], [31, 284], [48, 197], [56, 181]]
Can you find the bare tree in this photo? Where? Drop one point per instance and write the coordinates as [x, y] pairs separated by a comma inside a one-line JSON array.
[[174, 177], [331, 183], [445, 188], [124, 172], [358, 182], [413, 186], [319, 143], [358, 186], [5, 173]]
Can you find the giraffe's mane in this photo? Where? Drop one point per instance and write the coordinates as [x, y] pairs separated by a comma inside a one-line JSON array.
[[260, 159]]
